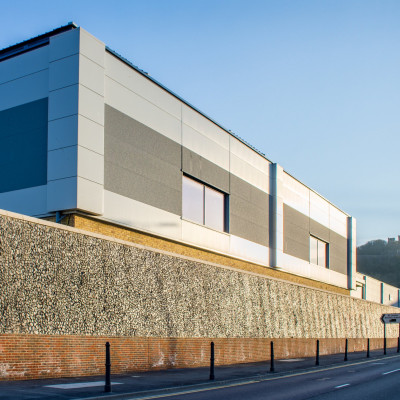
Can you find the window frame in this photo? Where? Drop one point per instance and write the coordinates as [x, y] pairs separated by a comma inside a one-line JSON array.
[[318, 242], [225, 205]]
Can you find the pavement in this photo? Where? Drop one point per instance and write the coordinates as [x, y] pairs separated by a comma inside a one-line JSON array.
[[155, 383]]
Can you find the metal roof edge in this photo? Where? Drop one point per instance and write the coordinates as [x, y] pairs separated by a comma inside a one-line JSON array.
[[145, 74], [33, 43]]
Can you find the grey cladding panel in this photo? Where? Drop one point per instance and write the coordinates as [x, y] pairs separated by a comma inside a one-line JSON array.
[[297, 228], [249, 212], [338, 253], [204, 170], [140, 163], [23, 146]]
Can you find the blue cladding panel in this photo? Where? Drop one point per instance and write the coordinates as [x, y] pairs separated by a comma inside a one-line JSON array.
[[23, 146]]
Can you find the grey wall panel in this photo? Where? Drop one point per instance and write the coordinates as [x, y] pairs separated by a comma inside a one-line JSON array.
[[23, 146], [297, 229], [319, 231], [249, 211], [204, 170], [338, 253], [140, 163]]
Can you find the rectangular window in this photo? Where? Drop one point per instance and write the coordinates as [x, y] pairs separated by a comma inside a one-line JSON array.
[[203, 204], [319, 252]]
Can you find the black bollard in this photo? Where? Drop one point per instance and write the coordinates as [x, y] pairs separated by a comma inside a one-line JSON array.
[[398, 344], [317, 357], [107, 386], [345, 350], [272, 369], [368, 349], [212, 359], [384, 346]]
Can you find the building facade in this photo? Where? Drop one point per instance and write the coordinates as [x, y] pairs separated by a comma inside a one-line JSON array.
[[88, 138]]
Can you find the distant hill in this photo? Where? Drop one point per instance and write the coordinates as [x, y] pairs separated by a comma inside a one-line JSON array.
[[381, 260]]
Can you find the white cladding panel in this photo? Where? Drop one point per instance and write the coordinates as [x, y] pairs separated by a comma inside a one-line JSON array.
[[91, 75], [295, 194], [91, 47], [247, 250], [24, 90], [30, 201], [25, 64], [133, 213], [90, 196], [91, 165], [205, 127], [205, 147], [137, 83], [304, 268], [205, 237], [248, 173], [91, 135], [141, 110], [91, 105], [319, 209]]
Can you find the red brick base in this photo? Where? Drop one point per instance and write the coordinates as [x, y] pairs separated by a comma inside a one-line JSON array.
[[45, 356]]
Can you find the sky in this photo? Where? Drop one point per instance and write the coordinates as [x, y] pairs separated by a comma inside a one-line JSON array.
[[314, 85]]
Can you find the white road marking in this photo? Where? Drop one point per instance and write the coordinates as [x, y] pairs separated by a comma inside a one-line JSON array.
[[291, 360], [390, 372], [80, 385], [340, 386]]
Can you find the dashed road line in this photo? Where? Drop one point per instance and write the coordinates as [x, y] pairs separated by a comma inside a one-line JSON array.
[[390, 372], [341, 386]]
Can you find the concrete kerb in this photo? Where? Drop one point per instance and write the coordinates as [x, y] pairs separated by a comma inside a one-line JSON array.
[[219, 384]]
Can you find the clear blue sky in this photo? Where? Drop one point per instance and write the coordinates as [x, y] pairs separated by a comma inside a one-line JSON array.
[[315, 85]]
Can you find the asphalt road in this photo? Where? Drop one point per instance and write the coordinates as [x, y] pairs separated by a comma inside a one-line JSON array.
[[367, 381]]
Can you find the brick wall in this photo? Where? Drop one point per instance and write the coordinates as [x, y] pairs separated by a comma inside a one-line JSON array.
[[44, 356]]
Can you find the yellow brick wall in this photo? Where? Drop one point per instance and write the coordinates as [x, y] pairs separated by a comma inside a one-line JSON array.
[[115, 231]]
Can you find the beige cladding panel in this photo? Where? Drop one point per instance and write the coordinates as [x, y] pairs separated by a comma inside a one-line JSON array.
[[319, 231]]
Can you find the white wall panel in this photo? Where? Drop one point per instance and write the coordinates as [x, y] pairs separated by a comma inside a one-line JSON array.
[[248, 173], [91, 135], [91, 75], [205, 237], [304, 268], [319, 209], [295, 194], [24, 90], [122, 210], [30, 201], [91, 165], [25, 64], [248, 155], [90, 196], [136, 107], [205, 147], [91, 105], [205, 127], [91, 47], [338, 221], [248, 250], [137, 83]]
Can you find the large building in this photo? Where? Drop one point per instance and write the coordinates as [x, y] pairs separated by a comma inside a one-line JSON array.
[[91, 140]]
